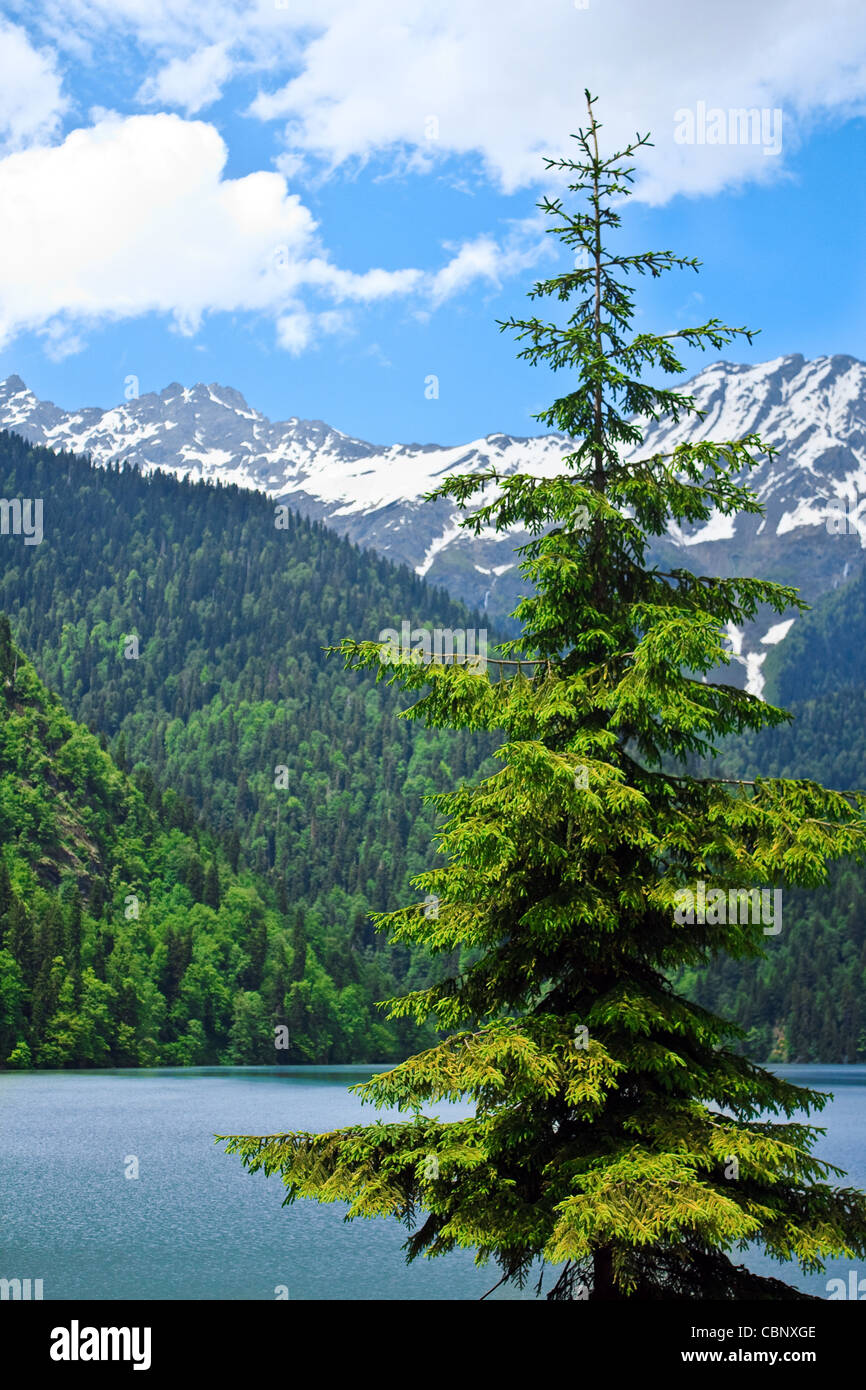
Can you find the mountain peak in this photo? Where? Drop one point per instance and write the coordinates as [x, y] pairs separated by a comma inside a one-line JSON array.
[[812, 411]]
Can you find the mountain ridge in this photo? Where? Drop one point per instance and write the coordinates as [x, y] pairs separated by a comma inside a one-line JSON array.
[[813, 412]]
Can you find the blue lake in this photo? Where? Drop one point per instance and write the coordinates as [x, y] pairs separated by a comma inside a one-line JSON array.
[[196, 1225]]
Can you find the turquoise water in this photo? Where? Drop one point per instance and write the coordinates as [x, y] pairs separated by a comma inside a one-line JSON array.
[[195, 1225]]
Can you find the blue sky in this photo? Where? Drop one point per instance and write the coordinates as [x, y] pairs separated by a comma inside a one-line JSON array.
[[324, 204]]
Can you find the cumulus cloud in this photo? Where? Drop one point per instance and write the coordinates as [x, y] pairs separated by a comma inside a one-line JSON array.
[[504, 82], [190, 83], [150, 224], [31, 102], [499, 81]]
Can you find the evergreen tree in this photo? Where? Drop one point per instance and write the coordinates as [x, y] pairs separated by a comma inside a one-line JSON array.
[[257, 949], [5, 897], [7, 654], [211, 890], [616, 1132], [233, 850], [96, 901], [72, 923], [120, 756], [195, 879], [299, 947], [19, 939]]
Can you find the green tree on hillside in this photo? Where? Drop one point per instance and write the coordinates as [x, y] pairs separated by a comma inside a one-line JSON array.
[[616, 1133], [631, 1153], [7, 654]]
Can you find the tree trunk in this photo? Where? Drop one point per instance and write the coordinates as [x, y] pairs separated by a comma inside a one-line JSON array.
[[603, 1286]]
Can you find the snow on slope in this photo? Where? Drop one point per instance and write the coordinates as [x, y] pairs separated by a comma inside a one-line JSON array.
[[814, 412]]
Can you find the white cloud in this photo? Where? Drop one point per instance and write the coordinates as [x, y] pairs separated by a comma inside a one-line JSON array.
[[503, 80], [190, 83], [366, 287], [31, 102], [299, 330], [295, 331], [485, 258], [150, 224], [60, 339], [156, 23]]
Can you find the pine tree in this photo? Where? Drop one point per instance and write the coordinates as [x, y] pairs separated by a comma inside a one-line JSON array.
[[233, 850], [6, 896], [7, 652], [299, 947], [211, 890], [617, 1134], [20, 939], [72, 926]]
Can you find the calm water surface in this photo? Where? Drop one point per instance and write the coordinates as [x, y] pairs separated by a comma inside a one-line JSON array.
[[196, 1225]]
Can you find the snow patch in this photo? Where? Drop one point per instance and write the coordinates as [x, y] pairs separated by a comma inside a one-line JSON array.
[[777, 633]]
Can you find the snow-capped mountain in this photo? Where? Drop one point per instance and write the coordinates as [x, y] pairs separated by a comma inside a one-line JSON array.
[[814, 413]]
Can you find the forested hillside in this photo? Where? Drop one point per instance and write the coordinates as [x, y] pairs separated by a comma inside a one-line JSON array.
[[807, 1000], [127, 938], [300, 778], [300, 769], [825, 650]]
